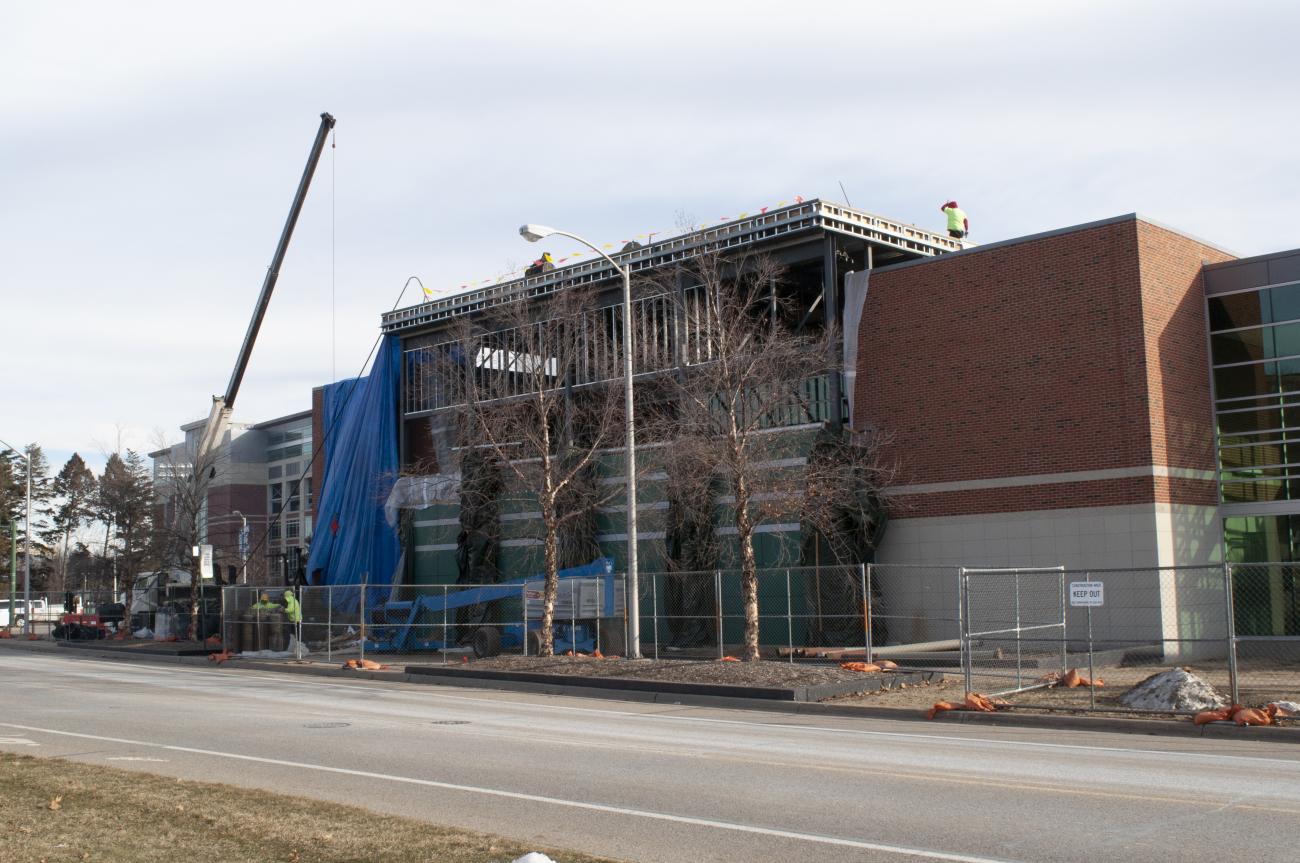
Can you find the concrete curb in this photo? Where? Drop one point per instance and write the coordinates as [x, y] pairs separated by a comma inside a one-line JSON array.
[[764, 694], [1006, 719]]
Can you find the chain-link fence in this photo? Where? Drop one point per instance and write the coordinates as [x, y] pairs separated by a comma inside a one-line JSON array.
[[802, 613], [1015, 632], [1025, 631], [1266, 631], [420, 622]]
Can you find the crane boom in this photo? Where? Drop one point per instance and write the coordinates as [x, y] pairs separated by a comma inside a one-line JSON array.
[[223, 404], [273, 272]]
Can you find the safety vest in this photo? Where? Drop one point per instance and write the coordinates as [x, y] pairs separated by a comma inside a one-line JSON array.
[[292, 609], [956, 219]]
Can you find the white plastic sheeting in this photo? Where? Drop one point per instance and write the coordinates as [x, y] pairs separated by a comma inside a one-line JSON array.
[[855, 297], [418, 492]]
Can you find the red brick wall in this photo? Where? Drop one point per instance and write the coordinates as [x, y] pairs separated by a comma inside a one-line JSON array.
[[1042, 357], [318, 448], [1177, 368]]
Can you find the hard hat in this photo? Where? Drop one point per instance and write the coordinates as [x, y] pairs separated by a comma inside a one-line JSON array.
[[546, 256], [266, 597], [287, 594]]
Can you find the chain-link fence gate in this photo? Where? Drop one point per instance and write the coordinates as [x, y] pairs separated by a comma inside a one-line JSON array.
[[1013, 626], [1265, 618]]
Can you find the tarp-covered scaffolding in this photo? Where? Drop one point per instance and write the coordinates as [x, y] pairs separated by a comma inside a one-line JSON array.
[[351, 539]]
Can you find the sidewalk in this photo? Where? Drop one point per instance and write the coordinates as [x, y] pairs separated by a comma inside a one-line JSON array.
[[586, 688]]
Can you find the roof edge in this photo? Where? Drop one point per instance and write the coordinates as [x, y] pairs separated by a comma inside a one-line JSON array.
[[1281, 253], [1070, 229], [1015, 241]]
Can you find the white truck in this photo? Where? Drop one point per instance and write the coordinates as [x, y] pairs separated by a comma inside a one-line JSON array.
[[38, 611]]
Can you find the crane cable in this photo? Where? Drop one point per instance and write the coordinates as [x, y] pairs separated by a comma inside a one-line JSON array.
[[319, 446]]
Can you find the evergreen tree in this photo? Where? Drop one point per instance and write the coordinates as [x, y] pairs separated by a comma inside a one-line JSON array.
[[13, 496], [74, 493], [124, 503]]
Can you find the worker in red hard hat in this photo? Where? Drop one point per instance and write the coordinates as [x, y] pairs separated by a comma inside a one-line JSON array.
[[958, 224]]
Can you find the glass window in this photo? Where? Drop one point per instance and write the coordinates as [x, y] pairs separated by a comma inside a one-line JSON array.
[[275, 530], [1247, 309], [293, 496], [1286, 338], [1238, 381], [1249, 421], [291, 530], [1255, 456], [1242, 346], [273, 473], [1285, 302], [306, 484], [1254, 492], [277, 497]]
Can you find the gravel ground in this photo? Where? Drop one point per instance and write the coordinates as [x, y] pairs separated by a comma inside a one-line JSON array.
[[1257, 688], [761, 673]]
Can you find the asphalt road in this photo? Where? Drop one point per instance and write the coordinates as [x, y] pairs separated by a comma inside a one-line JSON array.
[[664, 783]]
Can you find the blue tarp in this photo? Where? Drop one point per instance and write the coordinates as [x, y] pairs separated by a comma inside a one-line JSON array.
[[351, 539]]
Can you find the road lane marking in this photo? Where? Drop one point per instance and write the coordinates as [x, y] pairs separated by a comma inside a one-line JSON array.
[[280, 684], [537, 798], [17, 741], [794, 763]]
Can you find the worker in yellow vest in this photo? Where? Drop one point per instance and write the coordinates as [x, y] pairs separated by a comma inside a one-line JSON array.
[[292, 608], [958, 225]]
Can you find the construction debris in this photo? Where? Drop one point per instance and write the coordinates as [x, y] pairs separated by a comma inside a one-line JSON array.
[[974, 701], [1071, 679], [1176, 689], [869, 667], [1241, 715], [364, 665]]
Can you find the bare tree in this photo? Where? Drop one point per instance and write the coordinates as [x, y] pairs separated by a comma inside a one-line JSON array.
[[181, 493], [749, 372], [535, 387]]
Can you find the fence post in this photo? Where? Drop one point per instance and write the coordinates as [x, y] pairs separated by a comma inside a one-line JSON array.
[[1016, 576], [523, 614], [963, 625], [717, 583], [654, 610], [789, 617], [329, 623], [1230, 610], [444, 626], [573, 619], [362, 607], [866, 613], [1065, 625]]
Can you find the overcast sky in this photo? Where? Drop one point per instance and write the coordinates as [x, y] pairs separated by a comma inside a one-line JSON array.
[[149, 152]]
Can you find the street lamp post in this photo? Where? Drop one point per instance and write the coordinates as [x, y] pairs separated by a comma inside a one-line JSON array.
[[533, 233], [27, 543], [243, 546]]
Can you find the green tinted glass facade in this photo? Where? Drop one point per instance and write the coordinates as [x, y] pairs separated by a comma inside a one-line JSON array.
[[1255, 353]]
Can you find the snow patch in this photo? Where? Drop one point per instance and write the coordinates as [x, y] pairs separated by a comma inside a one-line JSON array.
[[534, 857], [1175, 689]]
